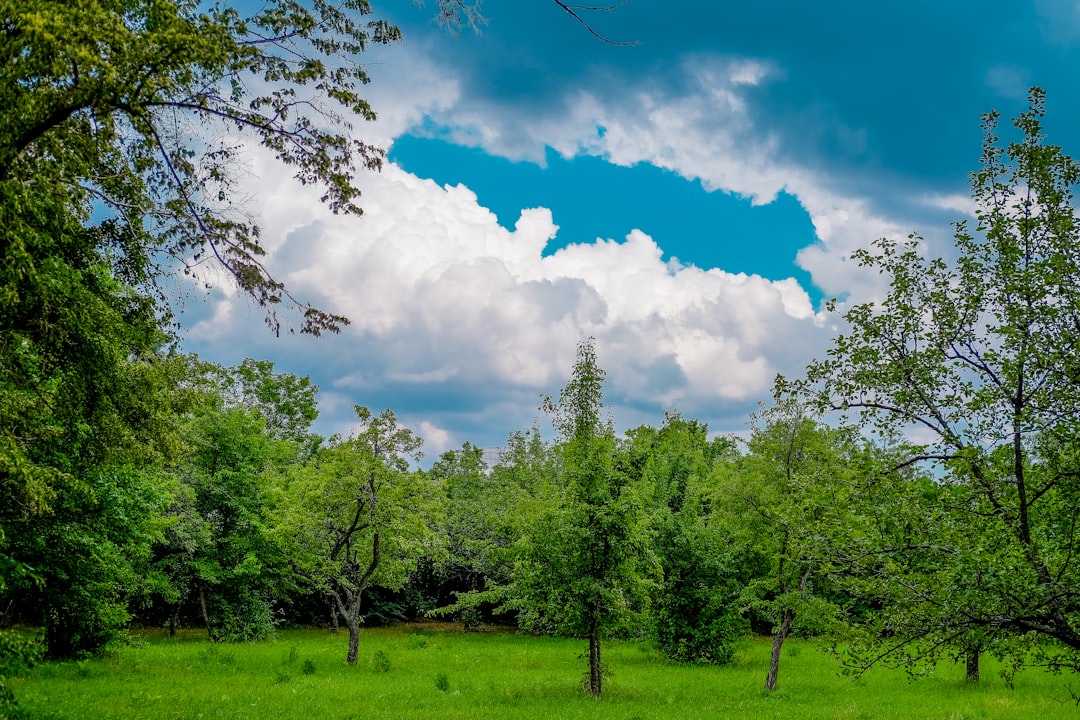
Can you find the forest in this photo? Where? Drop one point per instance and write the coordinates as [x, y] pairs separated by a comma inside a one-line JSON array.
[[912, 497]]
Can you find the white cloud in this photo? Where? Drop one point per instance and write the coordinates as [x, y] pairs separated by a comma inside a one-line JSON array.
[[447, 304], [706, 131], [1008, 81], [441, 296]]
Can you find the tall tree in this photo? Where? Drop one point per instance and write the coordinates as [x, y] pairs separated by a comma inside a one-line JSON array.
[[585, 563], [695, 615], [977, 356], [355, 515], [115, 167]]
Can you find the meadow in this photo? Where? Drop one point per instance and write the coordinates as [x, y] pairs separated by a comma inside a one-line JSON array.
[[409, 673]]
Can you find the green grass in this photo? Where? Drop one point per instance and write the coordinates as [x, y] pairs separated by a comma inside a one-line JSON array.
[[407, 673]]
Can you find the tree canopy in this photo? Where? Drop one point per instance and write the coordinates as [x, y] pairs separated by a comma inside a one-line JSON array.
[[138, 110], [977, 357]]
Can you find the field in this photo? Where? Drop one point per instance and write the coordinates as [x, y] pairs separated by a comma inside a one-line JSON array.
[[419, 673]]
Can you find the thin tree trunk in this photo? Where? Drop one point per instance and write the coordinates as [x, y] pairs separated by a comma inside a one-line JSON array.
[[332, 606], [778, 642], [205, 615], [595, 667], [973, 652], [350, 613]]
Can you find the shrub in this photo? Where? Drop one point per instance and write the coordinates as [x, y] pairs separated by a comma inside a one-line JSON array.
[[380, 662]]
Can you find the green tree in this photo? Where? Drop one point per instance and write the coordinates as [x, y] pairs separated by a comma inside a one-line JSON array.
[[115, 166], [133, 107], [487, 514], [355, 515], [220, 551], [695, 615], [585, 563], [978, 355], [101, 455], [789, 498], [286, 402]]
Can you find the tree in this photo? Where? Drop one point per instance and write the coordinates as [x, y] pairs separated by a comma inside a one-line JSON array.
[[119, 122], [101, 454], [138, 109], [356, 516], [218, 549], [695, 615], [585, 563], [789, 498], [978, 357], [286, 402]]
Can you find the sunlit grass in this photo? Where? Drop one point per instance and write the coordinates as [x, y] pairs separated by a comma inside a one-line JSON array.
[[407, 673]]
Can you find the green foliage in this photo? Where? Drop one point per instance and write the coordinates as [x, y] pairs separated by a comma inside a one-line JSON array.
[[694, 614], [789, 500], [584, 565], [136, 105], [354, 515], [217, 548], [18, 653], [88, 408], [979, 355]]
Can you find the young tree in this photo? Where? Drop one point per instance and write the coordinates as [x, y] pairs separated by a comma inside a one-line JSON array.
[[789, 498], [357, 516], [978, 356], [585, 563]]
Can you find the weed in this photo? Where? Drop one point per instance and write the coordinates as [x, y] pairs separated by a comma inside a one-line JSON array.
[[280, 678], [442, 682], [380, 662], [213, 655], [308, 667]]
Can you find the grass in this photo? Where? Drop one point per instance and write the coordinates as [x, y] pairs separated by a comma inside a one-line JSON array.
[[409, 673]]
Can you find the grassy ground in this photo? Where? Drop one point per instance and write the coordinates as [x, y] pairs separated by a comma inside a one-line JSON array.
[[411, 673]]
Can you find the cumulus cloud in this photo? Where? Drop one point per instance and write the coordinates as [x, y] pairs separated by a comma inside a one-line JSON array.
[[445, 303], [704, 128], [459, 323]]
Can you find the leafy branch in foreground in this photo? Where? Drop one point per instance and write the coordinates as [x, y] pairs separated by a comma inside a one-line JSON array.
[[140, 110]]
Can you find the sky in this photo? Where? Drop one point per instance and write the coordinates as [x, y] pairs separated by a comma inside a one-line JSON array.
[[690, 201]]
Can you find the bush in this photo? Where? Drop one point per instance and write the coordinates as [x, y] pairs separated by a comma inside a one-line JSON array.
[[695, 617], [380, 662], [18, 654]]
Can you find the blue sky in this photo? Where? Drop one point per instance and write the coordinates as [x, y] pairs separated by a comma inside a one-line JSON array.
[[689, 201]]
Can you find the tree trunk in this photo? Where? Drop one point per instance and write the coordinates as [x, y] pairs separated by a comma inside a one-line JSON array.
[[778, 642], [973, 652], [595, 667], [354, 641], [332, 607], [205, 615]]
